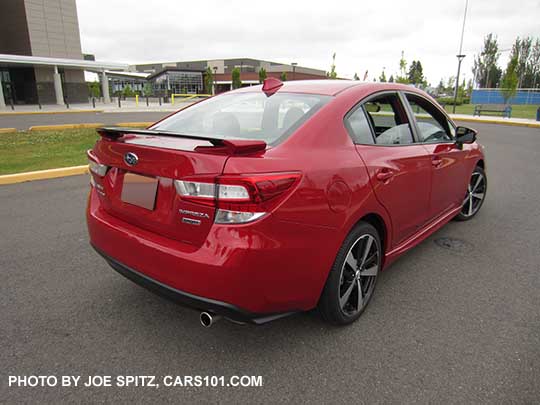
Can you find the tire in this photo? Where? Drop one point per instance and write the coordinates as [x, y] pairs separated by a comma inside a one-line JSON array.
[[339, 302], [475, 195]]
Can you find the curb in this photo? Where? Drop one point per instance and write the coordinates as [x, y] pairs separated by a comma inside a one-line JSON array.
[[49, 112], [134, 124], [64, 126], [7, 130], [498, 122], [43, 174]]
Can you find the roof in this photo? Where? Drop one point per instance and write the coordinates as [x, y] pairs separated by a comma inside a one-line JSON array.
[[8, 59]]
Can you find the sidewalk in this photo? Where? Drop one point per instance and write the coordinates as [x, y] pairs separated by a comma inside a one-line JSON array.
[[125, 107], [486, 119]]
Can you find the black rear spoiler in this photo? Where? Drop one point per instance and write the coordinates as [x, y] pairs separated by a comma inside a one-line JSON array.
[[219, 145]]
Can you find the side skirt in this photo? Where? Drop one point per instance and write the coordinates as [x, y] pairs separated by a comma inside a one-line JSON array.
[[421, 235]]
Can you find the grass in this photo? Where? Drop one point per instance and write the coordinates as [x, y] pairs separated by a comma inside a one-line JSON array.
[[518, 111], [28, 151]]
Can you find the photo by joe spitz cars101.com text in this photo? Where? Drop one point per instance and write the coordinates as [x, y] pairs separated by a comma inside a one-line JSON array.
[[274, 199]]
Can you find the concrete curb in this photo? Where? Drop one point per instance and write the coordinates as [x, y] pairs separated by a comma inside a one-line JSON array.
[[50, 112], [498, 122], [7, 130], [134, 124], [64, 126], [43, 174]]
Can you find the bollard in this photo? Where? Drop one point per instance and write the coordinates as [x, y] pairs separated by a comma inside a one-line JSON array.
[[538, 114], [11, 103], [137, 100], [147, 101], [159, 98], [119, 104], [93, 102]]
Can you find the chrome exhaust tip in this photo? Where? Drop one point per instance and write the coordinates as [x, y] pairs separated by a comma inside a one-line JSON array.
[[207, 319]]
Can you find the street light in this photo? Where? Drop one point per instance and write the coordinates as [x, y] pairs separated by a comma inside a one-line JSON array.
[[460, 57], [294, 64]]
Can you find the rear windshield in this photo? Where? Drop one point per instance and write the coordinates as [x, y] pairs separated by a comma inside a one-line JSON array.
[[245, 116]]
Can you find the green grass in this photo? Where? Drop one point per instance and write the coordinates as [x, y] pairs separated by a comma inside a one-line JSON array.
[[38, 150], [518, 111]]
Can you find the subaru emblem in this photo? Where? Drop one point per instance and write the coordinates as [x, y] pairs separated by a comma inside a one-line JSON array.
[[131, 158]]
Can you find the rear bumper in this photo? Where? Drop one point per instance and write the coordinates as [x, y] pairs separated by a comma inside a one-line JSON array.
[[249, 272], [193, 301]]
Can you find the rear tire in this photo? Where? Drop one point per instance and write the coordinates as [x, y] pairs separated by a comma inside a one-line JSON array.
[[475, 195], [353, 276]]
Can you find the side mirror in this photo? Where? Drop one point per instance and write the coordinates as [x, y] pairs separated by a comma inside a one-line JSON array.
[[465, 135]]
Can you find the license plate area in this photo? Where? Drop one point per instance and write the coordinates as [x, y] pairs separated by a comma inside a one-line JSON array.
[[139, 190]]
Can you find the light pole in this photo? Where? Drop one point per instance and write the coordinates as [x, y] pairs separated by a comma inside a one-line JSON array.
[[294, 64], [460, 57]]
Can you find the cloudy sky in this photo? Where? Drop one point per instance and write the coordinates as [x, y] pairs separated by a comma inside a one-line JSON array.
[[364, 35]]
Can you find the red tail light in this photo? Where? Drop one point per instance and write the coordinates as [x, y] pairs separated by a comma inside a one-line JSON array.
[[239, 198]]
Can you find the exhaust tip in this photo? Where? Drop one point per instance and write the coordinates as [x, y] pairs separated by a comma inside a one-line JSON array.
[[206, 319]]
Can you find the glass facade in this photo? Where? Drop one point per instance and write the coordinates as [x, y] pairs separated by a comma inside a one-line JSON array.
[[178, 82]]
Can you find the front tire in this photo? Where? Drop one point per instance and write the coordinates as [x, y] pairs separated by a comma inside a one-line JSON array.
[[353, 276], [475, 196]]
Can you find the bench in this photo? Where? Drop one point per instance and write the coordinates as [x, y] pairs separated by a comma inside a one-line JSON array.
[[504, 109]]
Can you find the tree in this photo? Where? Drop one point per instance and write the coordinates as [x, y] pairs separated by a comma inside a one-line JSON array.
[[94, 89], [416, 73], [402, 77], [356, 76], [509, 82], [333, 74], [382, 77], [283, 76], [391, 79], [485, 69], [128, 91], [147, 89], [262, 74], [236, 80], [209, 81]]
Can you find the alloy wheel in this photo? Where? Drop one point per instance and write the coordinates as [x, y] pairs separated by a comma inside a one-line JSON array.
[[358, 275], [476, 191]]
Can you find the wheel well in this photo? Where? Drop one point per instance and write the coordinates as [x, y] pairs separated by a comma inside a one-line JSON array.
[[378, 223], [480, 163]]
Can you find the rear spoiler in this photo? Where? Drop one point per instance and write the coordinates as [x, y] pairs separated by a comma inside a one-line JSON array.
[[219, 146]]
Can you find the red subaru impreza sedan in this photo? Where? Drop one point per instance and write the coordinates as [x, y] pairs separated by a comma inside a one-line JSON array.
[[280, 198]]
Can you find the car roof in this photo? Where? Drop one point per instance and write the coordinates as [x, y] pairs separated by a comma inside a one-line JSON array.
[[328, 87]]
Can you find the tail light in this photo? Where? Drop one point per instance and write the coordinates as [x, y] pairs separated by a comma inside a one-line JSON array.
[[238, 198], [96, 170]]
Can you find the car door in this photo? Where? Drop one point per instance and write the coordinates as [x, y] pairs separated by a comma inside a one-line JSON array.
[[436, 133], [399, 169]]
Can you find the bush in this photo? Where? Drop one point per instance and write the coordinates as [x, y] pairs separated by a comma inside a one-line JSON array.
[[450, 101]]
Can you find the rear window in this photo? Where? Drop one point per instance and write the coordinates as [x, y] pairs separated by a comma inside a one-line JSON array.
[[245, 116]]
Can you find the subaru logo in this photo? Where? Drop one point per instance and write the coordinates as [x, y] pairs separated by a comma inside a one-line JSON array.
[[131, 158]]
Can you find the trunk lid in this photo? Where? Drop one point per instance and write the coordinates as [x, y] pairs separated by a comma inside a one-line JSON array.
[[139, 185]]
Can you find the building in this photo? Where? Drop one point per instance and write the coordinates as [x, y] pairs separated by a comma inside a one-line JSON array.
[[40, 53], [188, 76]]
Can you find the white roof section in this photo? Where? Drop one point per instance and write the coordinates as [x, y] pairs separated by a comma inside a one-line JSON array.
[[137, 75], [74, 63]]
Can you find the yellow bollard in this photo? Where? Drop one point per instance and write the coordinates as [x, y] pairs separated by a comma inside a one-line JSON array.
[[172, 99], [136, 99]]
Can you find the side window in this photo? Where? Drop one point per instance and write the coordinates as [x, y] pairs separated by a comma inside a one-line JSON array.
[[388, 120], [358, 126], [432, 124]]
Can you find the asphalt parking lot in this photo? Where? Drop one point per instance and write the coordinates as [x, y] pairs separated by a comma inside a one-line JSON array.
[[446, 325]]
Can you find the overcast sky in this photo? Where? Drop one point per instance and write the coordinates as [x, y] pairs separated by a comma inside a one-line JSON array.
[[364, 35]]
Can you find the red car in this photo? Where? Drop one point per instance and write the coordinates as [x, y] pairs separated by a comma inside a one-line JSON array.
[[280, 198]]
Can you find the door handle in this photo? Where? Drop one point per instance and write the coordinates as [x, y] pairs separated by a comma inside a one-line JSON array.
[[384, 175], [436, 161]]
